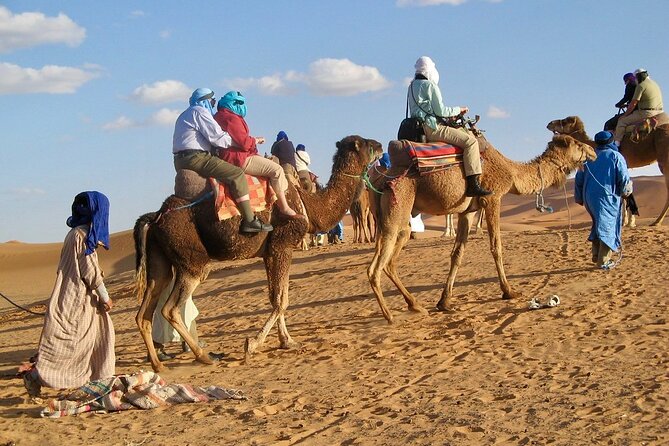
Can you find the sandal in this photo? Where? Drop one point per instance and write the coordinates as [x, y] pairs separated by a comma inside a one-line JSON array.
[[553, 301], [535, 304]]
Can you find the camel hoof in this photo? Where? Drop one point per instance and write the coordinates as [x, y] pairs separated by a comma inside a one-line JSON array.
[[250, 346], [290, 345], [204, 358], [510, 295], [159, 367], [419, 309]]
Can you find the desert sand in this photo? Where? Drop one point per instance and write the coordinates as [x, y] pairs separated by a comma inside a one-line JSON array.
[[593, 370]]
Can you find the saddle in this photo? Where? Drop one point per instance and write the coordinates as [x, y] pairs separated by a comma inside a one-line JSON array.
[[641, 130], [426, 158], [190, 186]]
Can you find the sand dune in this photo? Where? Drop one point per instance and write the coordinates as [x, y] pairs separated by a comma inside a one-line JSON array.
[[591, 371]]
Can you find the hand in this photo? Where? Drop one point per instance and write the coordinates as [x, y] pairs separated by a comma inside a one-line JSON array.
[[260, 139], [464, 110], [107, 306]]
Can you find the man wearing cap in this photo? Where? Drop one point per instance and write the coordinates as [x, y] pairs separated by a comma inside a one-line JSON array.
[[600, 187], [196, 133], [646, 103]]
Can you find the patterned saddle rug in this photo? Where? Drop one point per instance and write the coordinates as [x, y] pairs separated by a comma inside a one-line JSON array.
[[641, 130], [190, 186]]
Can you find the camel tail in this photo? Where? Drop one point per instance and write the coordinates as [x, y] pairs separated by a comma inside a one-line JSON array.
[[139, 234]]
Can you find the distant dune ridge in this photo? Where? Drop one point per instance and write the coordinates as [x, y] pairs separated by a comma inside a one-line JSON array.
[[592, 370]]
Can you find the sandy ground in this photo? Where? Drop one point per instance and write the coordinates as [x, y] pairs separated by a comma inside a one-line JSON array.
[[594, 370]]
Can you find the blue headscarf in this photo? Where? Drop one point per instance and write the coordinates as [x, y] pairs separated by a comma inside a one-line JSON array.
[[300, 147], [91, 208], [384, 161], [604, 140], [203, 98], [281, 135], [233, 101]]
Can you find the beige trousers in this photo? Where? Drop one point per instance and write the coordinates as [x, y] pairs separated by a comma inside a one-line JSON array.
[[601, 253], [256, 165], [635, 117], [461, 138]]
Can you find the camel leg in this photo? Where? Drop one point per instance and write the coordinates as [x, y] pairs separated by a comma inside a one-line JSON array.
[[662, 164], [392, 220], [391, 272], [277, 265], [492, 218], [461, 237], [184, 285], [158, 277]]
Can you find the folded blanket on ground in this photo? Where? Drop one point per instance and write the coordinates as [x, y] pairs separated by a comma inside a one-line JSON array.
[[143, 390]]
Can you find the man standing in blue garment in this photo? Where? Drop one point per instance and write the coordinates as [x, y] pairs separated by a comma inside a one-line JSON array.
[[600, 186]]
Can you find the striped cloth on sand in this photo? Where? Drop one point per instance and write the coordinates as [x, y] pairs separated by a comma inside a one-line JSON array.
[[433, 156], [143, 390], [261, 195]]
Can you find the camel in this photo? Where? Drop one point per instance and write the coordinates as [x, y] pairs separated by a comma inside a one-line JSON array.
[[444, 192], [654, 147], [449, 227], [181, 242], [363, 219]]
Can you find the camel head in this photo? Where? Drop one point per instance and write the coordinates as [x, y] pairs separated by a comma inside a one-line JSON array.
[[355, 150], [566, 126], [567, 153]]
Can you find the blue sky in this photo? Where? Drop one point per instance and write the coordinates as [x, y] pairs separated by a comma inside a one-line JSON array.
[[90, 90]]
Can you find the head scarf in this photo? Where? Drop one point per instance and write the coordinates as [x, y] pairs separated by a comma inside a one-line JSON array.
[[629, 77], [299, 147], [281, 135], [233, 101], [384, 161], [91, 208], [425, 66], [202, 97]]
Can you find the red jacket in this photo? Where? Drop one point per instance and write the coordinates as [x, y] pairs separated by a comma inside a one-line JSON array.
[[243, 144]]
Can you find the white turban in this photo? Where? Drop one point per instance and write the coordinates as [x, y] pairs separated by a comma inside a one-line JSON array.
[[426, 67]]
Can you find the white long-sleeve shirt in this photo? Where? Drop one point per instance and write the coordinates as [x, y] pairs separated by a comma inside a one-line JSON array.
[[302, 160], [196, 129]]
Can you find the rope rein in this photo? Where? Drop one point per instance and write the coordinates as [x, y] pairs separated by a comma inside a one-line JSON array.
[[20, 307]]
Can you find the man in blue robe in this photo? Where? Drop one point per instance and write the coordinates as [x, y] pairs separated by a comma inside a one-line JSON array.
[[600, 187]]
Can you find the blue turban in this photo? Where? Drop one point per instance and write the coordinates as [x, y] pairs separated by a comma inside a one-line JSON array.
[[233, 101], [603, 137], [203, 98], [91, 208], [385, 160], [299, 147], [281, 135]]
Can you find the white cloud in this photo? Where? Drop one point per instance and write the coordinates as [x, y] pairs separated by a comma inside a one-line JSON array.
[[326, 77], [120, 123], [164, 117], [23, 191], [48, 79], [34, 28], [410, 3], [161, 92], [497, 113], [165, 34], [137, 14], [341, 77]]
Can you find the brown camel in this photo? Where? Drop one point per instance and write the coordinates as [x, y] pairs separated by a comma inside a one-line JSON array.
[[363, 219], [654, 147], [181, 243], [449, 227], [444, 192]]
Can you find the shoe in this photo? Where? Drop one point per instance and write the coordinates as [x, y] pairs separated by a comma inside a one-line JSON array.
[[162, 356], [474, 188], [255, 225], [609, 264]]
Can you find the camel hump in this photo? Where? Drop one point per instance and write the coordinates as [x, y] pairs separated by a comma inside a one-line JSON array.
[[188, 184]]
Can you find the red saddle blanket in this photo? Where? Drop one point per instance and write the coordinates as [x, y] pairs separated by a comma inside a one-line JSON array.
[[431, 157], [260, 192]]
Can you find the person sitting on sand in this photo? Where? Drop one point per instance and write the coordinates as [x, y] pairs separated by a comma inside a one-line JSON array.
[[243, 151], [196, 133], [599, 187], [77, 341]]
